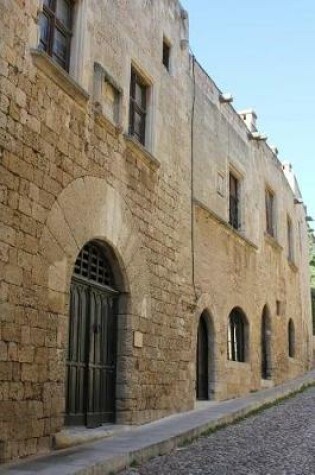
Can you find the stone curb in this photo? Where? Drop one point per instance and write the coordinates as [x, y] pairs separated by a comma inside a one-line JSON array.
[[162, 448]]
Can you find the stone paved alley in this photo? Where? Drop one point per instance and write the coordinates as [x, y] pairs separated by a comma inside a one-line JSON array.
[[277, 441]]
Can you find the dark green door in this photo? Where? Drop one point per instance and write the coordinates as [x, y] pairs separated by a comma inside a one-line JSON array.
[[91, 365], [202, 361]]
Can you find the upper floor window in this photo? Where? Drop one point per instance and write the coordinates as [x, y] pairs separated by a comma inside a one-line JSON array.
[[270, 225], [166, 54], [55, 30], [236, 338], [138, 107], [234, 192], [290, 239]]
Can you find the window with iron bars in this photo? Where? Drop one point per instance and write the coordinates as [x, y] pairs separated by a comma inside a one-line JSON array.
[[138, 107], [55, 30], [234, 202]]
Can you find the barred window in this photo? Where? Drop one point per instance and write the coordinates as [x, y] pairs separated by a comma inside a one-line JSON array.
[[55, 30], [138, 107], [236, 338], [234, 201]]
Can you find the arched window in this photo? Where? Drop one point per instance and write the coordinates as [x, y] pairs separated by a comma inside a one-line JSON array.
[[291, 339], [236, 338]]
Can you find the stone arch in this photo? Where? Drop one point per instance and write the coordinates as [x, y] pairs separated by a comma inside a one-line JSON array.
[[90, 209], [266, 356], [87, 209]]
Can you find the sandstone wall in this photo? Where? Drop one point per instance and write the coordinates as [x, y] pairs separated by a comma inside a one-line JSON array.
[[69, 175], [246, 268]]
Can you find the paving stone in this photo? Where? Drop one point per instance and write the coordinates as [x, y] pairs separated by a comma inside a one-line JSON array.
[[277, 441]]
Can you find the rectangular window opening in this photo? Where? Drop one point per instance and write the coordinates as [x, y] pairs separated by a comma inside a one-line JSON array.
[[290, 239], [234, 201], [138, 107], [55, 30], [269, 198], [166, 54]]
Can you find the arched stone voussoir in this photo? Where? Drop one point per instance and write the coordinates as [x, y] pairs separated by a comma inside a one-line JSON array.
[[205, 304], [92, 208], [54, 262], [88, 208], [59, 228]]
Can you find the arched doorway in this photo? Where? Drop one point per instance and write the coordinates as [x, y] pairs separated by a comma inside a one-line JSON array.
[[265, 345], [202, 368], [91, 364]]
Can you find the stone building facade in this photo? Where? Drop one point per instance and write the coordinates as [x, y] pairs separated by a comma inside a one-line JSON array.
[[136, 266]]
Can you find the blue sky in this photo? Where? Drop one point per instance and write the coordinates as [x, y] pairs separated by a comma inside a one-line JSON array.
[[264, 54]]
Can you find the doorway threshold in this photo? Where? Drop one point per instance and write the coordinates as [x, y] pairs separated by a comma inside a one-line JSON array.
[[78, 435], [199, 405], [267, 383]]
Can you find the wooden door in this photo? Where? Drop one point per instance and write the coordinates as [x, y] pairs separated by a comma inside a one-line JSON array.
[[265, 347], [91, 365], [202, 361]]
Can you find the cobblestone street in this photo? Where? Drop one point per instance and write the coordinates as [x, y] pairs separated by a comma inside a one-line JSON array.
[[277, 441]]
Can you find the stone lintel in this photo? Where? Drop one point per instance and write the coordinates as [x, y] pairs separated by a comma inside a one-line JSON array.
[[99, 69]]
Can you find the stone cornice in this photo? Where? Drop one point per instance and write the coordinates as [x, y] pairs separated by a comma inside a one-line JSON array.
[[59, 76], [227, 226], [141, 151], [273, 242], [104, 121]]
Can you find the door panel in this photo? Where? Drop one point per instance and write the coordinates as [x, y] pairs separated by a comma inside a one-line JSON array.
[[92, 355], [76, 381], [202, 361], [265, 348]]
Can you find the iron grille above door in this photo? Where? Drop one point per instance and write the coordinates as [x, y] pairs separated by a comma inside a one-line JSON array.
[[92, 264]]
